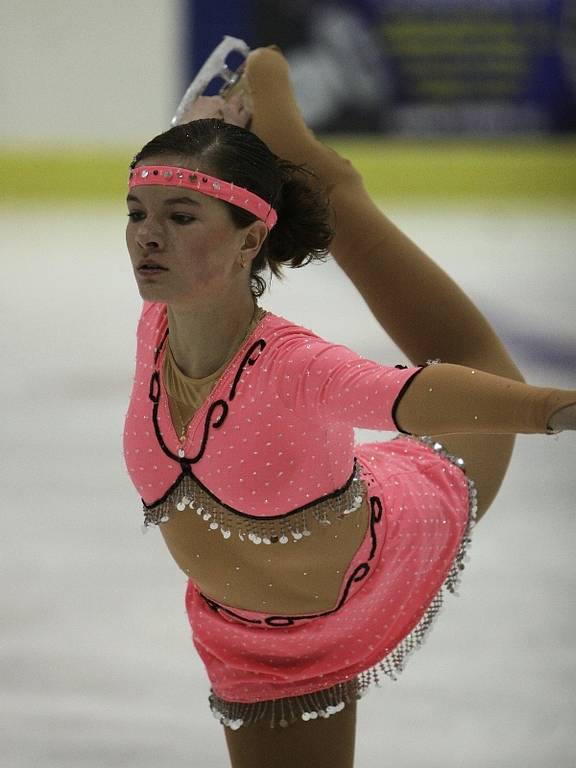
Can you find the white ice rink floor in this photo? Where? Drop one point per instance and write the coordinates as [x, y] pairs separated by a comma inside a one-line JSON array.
[[97, 666]]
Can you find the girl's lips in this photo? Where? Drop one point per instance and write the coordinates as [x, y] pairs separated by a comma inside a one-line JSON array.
[[150, 269]]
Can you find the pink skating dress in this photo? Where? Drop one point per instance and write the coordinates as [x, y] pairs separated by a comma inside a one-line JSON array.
[[314, 565]]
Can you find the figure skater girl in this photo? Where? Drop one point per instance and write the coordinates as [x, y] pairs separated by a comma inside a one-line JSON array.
[[314, 565]]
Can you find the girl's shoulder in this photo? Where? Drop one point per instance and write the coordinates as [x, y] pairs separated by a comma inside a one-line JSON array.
[[152, 324], [279, 331]]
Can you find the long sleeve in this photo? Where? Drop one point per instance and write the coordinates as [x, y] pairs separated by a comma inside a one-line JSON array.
[[454, 399], [331, 383]]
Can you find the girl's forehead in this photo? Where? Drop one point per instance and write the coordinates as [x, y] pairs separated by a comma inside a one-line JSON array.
[[161, 198]]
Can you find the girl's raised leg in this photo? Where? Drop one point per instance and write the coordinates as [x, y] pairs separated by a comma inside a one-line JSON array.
[[423, 310]]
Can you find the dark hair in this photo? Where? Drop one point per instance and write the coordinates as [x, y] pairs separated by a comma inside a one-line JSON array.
[[303, 231]]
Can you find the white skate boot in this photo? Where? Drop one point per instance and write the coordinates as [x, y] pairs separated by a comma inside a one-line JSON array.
[[214, 68]]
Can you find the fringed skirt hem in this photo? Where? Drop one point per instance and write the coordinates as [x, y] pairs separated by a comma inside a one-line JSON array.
[[327, 702]]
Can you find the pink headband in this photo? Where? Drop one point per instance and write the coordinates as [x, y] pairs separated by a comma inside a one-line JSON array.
[[172, 176]]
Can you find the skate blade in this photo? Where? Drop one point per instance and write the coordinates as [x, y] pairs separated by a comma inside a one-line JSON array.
[[214, 67]]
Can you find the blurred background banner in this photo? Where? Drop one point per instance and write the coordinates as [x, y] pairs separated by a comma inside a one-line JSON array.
[[386, 82], [417, 68]]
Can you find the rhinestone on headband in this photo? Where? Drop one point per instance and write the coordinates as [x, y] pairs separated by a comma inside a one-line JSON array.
[[172, 176]]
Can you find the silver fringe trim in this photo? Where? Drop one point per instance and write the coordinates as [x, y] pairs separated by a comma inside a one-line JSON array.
[[282, 529], [283, 712], [394, 663]]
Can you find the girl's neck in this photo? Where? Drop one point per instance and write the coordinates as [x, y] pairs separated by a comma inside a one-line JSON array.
[[203, 338]]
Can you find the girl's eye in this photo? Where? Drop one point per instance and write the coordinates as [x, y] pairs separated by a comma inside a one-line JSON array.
[[182, 218], [135, 215]]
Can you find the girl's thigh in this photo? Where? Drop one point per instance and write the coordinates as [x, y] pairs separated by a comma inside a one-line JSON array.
[[486, 459], [321, 743]]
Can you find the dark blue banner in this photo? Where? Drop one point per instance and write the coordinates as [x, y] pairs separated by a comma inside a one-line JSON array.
[[413, 67]]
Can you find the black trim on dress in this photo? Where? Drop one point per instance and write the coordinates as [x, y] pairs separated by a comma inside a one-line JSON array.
[[401, 394]]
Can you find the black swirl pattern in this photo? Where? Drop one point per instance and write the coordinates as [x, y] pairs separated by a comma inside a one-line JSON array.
[[154, 395], [220, 609], [248, 360], [208, 424]]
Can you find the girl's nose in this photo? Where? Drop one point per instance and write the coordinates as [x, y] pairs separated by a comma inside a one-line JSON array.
[[149, 237]]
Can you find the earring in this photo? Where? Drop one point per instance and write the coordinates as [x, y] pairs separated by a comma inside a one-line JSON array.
[[242, 262]]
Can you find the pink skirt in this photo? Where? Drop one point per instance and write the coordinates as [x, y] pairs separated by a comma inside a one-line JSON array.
[[422, 513]]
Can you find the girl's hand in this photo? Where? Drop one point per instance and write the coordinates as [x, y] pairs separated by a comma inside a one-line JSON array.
[[233, 111]]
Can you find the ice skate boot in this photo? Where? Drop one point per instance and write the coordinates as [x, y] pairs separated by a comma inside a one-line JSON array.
[[262, 82], [215, 68]]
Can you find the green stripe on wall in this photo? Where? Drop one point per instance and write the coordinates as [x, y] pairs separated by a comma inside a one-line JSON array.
[[392, 170], [467, 170], [67, 175]]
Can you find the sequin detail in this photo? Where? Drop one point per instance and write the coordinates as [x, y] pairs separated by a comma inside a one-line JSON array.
[[189, 493], [310, 706], [284, 712]]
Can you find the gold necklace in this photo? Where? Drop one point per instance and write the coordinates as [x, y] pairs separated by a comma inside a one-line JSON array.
[[185, 423]]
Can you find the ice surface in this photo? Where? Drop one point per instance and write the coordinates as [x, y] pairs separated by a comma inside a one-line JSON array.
[[97, 667]]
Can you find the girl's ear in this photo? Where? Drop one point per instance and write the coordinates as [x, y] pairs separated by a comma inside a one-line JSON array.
[[254, 238]]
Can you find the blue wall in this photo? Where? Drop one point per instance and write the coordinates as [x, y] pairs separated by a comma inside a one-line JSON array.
[[457, 67]]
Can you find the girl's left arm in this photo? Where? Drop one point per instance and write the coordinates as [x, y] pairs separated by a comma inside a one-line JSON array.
[[454, 399]]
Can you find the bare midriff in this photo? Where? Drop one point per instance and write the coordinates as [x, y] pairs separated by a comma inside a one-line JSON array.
[[296, 578]]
